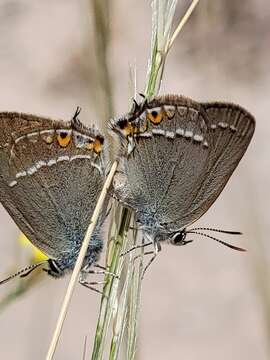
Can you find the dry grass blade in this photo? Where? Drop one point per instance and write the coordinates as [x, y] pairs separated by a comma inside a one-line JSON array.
[[162, 40], [134, 304], [182, 23]]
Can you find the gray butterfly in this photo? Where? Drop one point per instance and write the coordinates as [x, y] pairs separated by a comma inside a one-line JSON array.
[[51, 173], [176, 156]]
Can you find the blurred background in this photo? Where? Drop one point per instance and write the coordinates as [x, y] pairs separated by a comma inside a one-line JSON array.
[[201, 301]]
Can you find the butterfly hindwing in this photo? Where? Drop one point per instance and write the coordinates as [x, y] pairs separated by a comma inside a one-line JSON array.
[[230, 132]]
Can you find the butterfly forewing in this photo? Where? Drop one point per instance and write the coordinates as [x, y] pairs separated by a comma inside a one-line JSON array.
[[50, 177], [183, 156]]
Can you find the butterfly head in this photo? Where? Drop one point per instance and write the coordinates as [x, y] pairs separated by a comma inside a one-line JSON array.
[[130, 123], [157, 232]]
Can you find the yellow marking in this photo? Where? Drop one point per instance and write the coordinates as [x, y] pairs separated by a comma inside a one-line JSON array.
[[89, 146], [142, 129], [49, 139], [128, 129], [136, 130], [97, 146], [63, 139], [155, 117], [37, 254]]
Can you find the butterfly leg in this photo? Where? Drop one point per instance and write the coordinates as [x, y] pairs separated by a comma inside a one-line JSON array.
[[100, 267], [144, 254], [108, 211], [89, 285], [157, 249], [104, 271], [136, 247]]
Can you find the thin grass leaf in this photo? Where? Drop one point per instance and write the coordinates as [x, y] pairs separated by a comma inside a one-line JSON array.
[[134, 305], [120, 318], [132, 83], [182, 23], [162, 18], [109, 297]]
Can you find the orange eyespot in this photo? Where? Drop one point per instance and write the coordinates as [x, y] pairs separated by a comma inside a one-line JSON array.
[[155, 116], [97, 145], [63, 139]]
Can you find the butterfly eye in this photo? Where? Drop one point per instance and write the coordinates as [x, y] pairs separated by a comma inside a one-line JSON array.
[[155, 116], [122, 124], [53, 269], [178, 238], [125, 127]]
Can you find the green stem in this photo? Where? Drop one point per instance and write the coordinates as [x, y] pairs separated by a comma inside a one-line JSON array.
[[117, 243], [135, 296]]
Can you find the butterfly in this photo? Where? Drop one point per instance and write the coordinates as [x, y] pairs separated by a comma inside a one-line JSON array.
[[176, 156], [51, 173]]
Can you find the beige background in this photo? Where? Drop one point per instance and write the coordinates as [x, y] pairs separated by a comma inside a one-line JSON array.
[[202, 301]]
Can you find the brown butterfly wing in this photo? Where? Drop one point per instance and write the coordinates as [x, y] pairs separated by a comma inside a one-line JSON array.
[[49, 179], [182, 158], [230, 132]]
